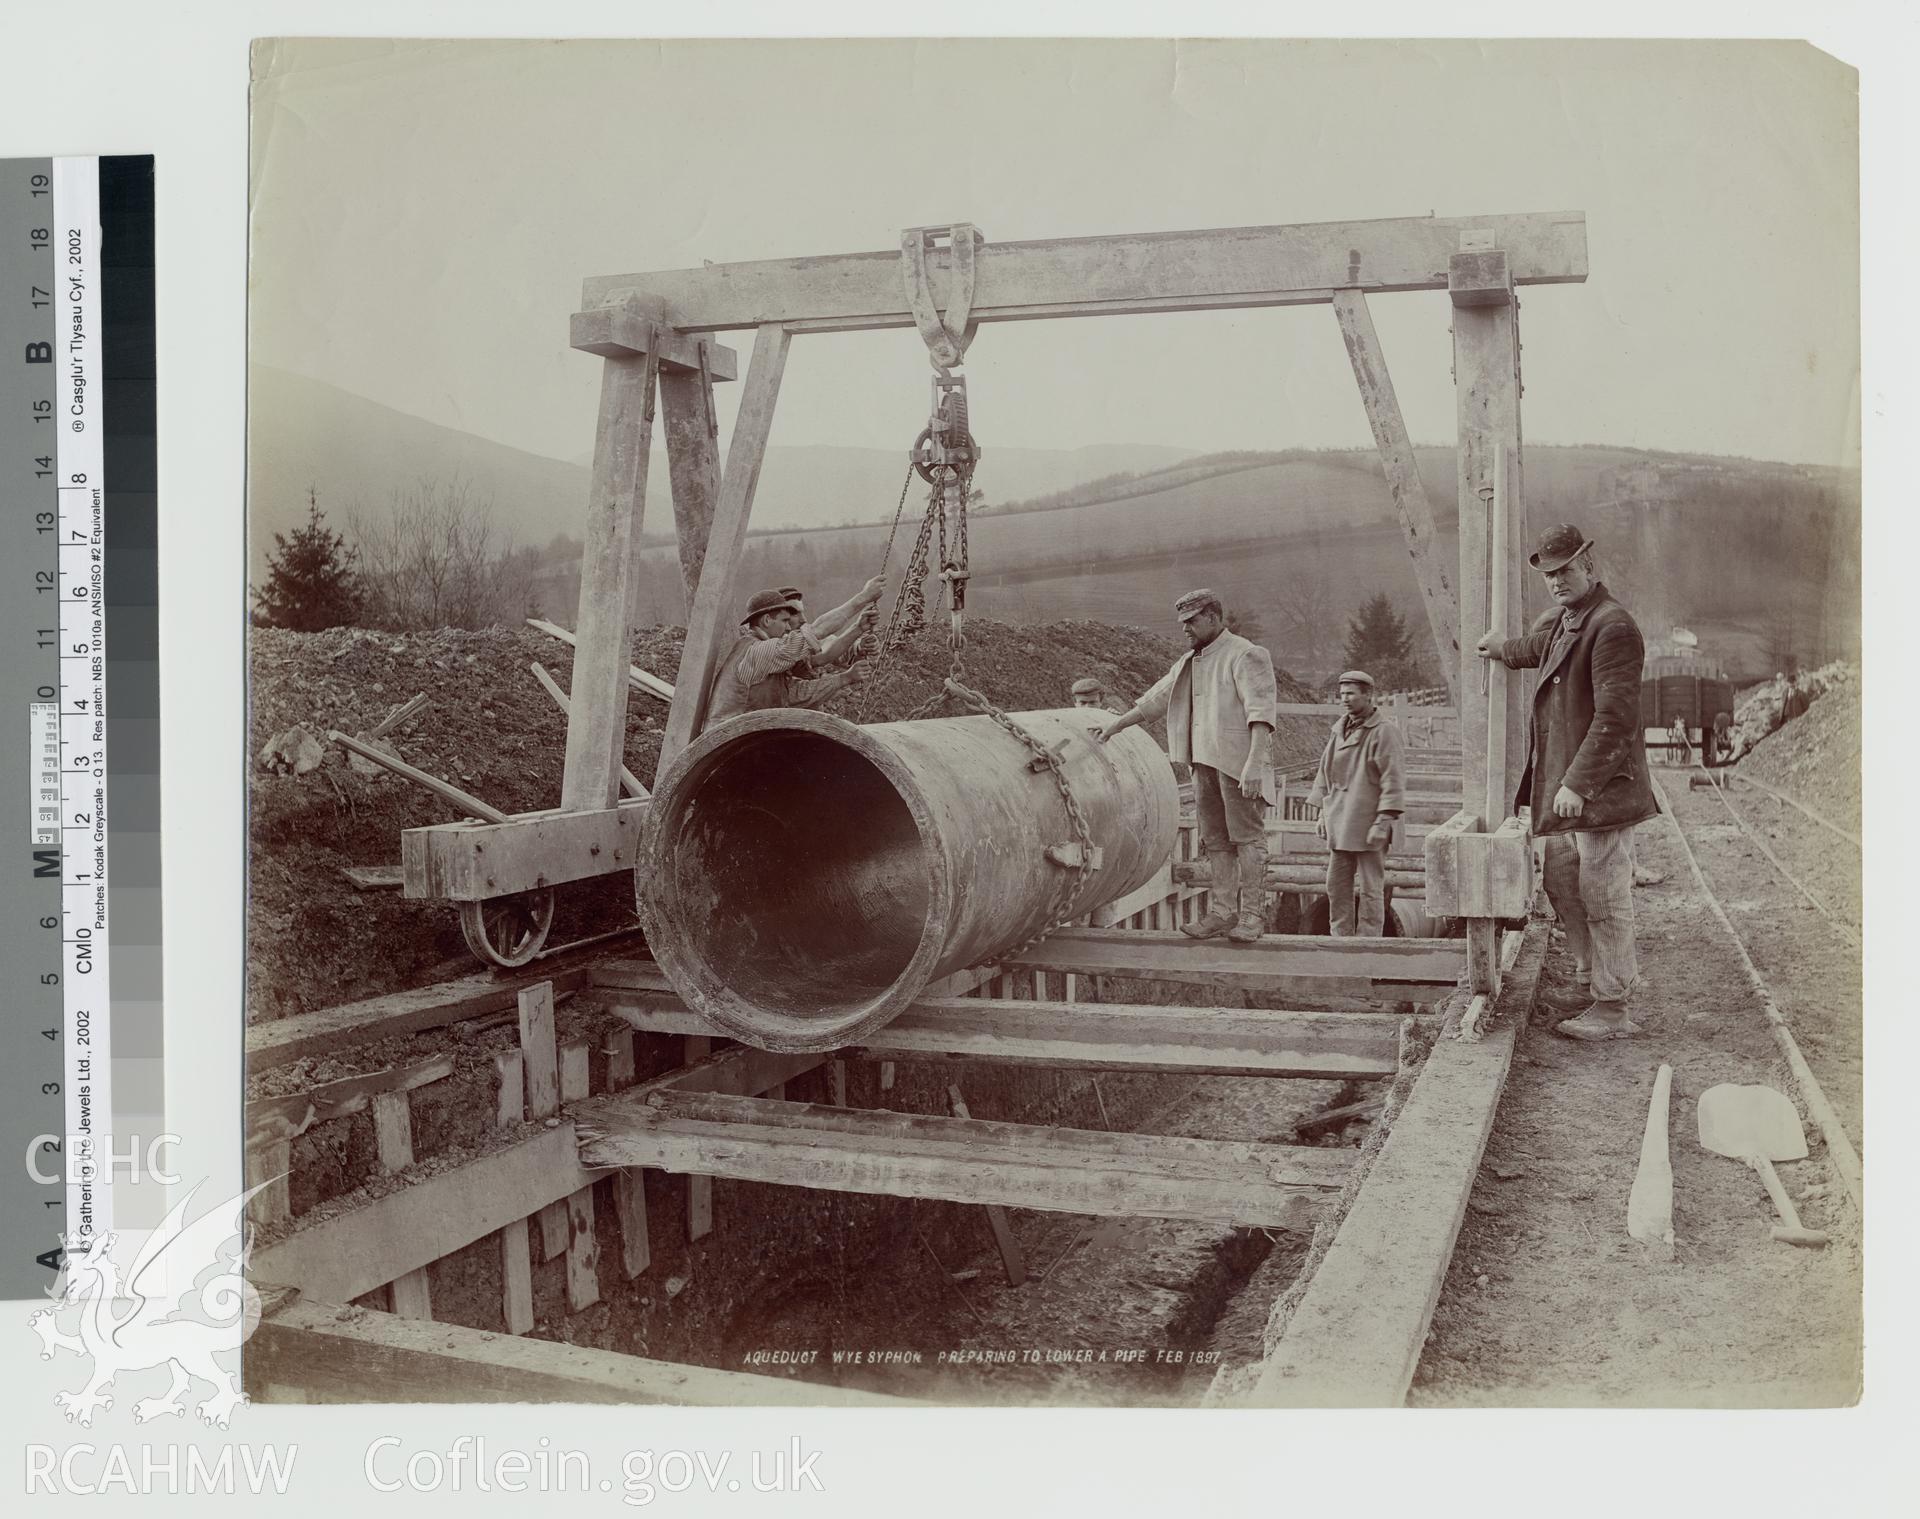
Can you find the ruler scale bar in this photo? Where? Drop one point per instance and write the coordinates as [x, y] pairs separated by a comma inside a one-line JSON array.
[[81, 589]]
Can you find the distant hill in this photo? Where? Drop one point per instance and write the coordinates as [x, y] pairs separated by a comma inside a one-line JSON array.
[[1762, 560], [303, 432]]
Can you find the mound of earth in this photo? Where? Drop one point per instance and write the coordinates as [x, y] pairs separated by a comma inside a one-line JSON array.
[[1815, 758], [315, 940]]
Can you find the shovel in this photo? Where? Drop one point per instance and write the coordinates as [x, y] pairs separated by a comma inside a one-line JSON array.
[[1759, 1125]]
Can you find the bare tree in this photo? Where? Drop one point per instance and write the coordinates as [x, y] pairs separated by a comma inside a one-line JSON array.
[[1304, 601], [436, 559]]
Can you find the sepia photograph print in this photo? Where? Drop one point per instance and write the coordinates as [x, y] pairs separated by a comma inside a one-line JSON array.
[[1073, 723]]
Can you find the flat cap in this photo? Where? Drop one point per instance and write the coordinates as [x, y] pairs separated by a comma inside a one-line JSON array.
[[1086, 685], [1358, 677], [771, 601], [1559, 545], [1196, 601]]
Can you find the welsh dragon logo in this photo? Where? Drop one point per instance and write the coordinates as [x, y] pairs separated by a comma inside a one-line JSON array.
[[154, 1331]]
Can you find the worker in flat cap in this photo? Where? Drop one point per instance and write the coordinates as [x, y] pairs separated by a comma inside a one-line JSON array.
[[1218, 700], [1091, 691], [1359, 789], [778, 658], [1586, 783]]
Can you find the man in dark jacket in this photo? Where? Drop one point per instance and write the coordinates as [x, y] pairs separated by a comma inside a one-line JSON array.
[[1586, 781]]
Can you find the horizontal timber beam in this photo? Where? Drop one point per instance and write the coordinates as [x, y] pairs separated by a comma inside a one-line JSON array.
[[1415, 969], [285, 1040], [331, 1352], [965, 1160], [471, 862], [624, 332], [1222, 269], [1107, 1036]]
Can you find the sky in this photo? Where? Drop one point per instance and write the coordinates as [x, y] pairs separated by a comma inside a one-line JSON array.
[[424, 213]]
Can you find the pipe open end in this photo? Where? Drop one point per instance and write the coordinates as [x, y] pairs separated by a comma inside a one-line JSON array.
[[792, 889]]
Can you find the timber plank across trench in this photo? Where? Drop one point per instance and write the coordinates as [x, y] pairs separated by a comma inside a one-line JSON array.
[[960, 1160], [1416, 969], [1104, 1036]]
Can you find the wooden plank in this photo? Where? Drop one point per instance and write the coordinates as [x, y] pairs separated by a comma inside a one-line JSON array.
[[700, 1188], [1011, 1260], [392, 1131], [714, 617], [411, 1297], [1228, 268], [629, 782], [693, 466], [639, 679], [1483, 956], [267, 1166], [510, 1108], [327, 1352], [583, 1253], [574, 1068], [470, 862], [629, 330], [630, 1208], [285, 1040], [1355, 1338], [364, 1247], [374, 877], [616, 506], [271, 1118], [537, 1049], [1369, 362], [516, 1277], [555, 1230], [1267, 965], [620, 1060], [462, 801], [1486, 362], [967, 1161], [1123, 1037]]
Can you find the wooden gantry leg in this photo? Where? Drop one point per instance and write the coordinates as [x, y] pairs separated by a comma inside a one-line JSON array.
[[714, 615]]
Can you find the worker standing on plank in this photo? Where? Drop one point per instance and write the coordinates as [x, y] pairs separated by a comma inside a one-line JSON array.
[[775, 660], [1360, 793], [1218, 700], [1586, 780]]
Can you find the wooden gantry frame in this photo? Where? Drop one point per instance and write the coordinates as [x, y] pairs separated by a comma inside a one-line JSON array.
[[654, 335]]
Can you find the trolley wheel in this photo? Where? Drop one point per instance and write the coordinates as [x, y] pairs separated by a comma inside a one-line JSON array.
[[508, 931]]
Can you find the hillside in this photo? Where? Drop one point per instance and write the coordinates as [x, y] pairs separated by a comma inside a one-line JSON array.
[[303, 432], [1759, 559]]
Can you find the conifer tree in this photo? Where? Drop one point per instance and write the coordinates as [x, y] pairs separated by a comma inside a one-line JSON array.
[[312, 582]]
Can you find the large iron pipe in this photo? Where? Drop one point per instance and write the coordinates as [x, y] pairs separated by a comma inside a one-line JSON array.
[[803, 878]]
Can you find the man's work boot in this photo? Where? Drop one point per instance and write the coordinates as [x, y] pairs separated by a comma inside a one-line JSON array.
[[1604, 1020], [1571, 997], [1252, 922], [1223, 891]]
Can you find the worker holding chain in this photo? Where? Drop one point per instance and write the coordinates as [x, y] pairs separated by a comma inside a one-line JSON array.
[[773, 663], [1218, 700]]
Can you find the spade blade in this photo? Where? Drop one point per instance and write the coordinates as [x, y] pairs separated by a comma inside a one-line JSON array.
[[1743, 1121]]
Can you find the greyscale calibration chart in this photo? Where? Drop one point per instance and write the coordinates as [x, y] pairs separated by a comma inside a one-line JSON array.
[[82, 1110]]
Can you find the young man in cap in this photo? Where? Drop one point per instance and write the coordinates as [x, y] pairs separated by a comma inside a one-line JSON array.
[[1358, 790], [1090, 691], [772, 662], [1218, 700], [1586, 781]]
